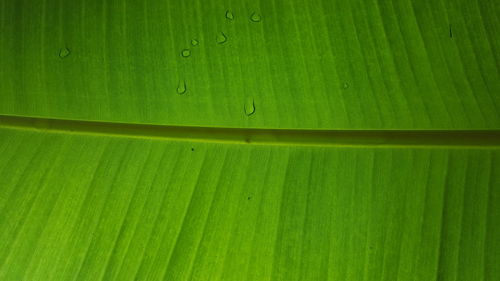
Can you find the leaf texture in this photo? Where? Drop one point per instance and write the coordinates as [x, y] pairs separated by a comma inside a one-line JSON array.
[[361, 64], [76, 207], [250, 140]]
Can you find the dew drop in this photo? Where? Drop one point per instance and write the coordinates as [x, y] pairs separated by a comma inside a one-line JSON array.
[[195, 42], [64, 52], [255, 17], [249, 107], [181, 87], [186, 53], [229, 15], [221, 38], [345, 86]]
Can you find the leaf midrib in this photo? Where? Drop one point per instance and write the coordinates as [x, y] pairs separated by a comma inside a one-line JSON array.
[[288, 137]]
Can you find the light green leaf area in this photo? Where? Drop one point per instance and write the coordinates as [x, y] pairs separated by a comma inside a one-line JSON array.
[[83, 207], [343, 64]]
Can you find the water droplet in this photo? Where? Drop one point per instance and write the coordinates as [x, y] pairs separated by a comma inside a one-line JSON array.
[[181, 88], [249, 107], [221, 38], [186, 53], [195, 42], [64, 52], [345, 86], [229, 15], [255, 17]]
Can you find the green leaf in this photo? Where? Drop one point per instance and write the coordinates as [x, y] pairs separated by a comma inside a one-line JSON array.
[[90, 207], [307, 64], [243, 140]]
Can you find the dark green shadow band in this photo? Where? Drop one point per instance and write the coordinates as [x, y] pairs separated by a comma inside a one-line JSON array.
[[368, 138]]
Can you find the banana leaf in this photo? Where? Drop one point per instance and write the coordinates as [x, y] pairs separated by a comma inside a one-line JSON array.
[[249, 140]]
